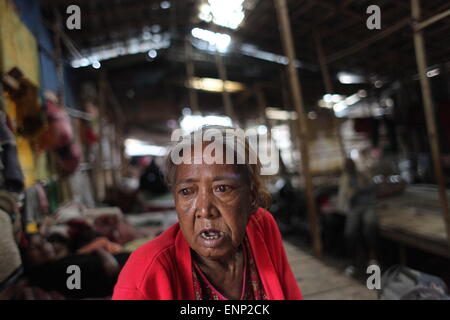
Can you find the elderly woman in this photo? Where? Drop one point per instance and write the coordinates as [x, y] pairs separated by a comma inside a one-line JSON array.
[[225, 246]]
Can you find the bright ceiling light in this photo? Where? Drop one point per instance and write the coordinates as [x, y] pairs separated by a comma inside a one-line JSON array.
[[139, 44], [225, 13], [96, 65], [354, 98], [261, 129], [214, 85], [350, 78], [218, 41], [328, 97], [165, 5], [252, 51], [278, 114], [336, 98], [433, 72], [152, 54], [190, 123], [134, 148], [338, 107]]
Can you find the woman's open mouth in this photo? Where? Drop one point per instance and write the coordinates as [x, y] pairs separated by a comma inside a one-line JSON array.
[[212, 238]]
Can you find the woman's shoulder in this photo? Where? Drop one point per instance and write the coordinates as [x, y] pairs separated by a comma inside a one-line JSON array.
[[263, 219], [156, 249], [152, 258]]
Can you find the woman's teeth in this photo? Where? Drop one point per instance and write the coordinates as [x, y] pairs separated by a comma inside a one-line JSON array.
[[211, 235]]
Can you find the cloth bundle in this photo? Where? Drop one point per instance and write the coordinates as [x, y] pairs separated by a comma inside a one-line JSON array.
[[59, 136], [10, 230]]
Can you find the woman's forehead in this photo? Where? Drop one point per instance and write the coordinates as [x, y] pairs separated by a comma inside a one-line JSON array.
[[207, 171]]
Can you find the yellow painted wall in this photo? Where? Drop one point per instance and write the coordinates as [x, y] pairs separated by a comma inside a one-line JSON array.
[[18, 48], [17, 43]]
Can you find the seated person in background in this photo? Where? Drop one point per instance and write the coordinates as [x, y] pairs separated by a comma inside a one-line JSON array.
[[357, 200], [152, 180], [225, 245]]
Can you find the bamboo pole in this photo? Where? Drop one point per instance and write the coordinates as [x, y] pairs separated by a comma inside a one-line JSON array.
[[419, 46], [100, 163], [329, 88], [288, 44], [262, 105], [58, 55], [66, 190], [423, 24], [365, 43], [228, 105], [293, 129], [190, 73]]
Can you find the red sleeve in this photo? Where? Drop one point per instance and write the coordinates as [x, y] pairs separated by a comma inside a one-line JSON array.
[[276, 248], [140, 282]]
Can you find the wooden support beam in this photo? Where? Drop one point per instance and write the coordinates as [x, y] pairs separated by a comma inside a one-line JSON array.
[[288, 45], [118, 110], [100, 173], [262, 105], [58, 56], [227, 104], [243, 97], [365, 43], [423, 24], [190, 74], [329, 88], [419, 45]]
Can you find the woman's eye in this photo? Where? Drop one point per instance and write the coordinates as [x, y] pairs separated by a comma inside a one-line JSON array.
[[223, 188], [185, 191]]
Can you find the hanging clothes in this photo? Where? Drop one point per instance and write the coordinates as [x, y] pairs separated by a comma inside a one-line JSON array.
[[68, 158], [30, 119], [36, 207], [59, 132], [10, 262], [11, 172]]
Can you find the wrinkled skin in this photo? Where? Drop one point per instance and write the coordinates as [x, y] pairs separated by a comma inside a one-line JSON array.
[[215, 196], [212, 196]]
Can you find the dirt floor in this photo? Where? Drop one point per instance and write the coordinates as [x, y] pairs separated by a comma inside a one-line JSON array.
[[320, 281]]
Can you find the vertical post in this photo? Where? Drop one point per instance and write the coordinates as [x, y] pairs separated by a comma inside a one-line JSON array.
[[58, 55], [329, 89], [288, 44], [293, 129], [419, 46], [262, 105], [100, 174], [113, 150], [225, 94], [190, 73], [66, 191]]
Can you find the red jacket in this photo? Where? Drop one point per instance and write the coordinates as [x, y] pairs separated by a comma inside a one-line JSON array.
[[162, 268]]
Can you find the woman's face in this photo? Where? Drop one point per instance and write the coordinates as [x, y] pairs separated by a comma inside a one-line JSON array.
[[213, 203]]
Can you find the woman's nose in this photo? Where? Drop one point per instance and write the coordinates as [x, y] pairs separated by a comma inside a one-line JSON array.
[[205, 206]]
